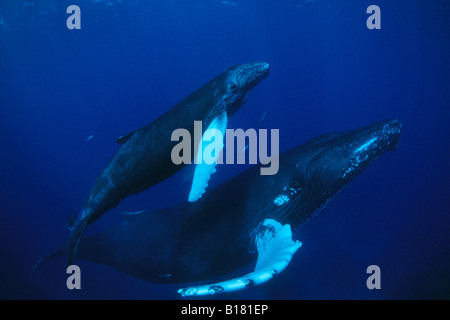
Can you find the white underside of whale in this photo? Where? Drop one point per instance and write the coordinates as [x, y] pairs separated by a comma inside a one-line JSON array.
[[212, 140]]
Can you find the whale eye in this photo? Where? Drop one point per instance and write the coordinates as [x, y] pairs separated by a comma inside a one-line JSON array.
[[232, 86]]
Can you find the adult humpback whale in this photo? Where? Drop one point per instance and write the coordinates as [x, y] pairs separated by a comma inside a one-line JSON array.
[[248, 217], [144, 158]]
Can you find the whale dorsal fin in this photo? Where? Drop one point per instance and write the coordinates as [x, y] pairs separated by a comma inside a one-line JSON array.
[[212, 139], [122, 139], [275, 251]]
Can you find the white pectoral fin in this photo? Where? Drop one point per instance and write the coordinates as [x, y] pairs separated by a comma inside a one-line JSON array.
[[208, 152], [275, 251]]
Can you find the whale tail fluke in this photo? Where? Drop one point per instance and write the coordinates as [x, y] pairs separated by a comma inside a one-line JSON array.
[[76, 233]]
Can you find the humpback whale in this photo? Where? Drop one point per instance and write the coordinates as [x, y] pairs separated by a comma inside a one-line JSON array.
[[144, 158], [249, 217]]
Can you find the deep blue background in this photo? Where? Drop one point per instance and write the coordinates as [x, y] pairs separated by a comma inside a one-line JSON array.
[[133, 60]]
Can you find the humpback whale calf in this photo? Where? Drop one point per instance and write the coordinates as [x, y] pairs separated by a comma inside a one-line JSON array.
[[249, 217], [144, 158]]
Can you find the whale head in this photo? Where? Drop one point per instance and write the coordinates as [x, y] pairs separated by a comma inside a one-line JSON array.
[[238, 81], [322, 166], [342, 156]]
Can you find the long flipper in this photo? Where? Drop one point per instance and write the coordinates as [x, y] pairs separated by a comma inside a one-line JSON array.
[[212, 140], [275, 250]]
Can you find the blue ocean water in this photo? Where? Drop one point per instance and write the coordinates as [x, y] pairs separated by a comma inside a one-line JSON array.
[[66, 95]]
